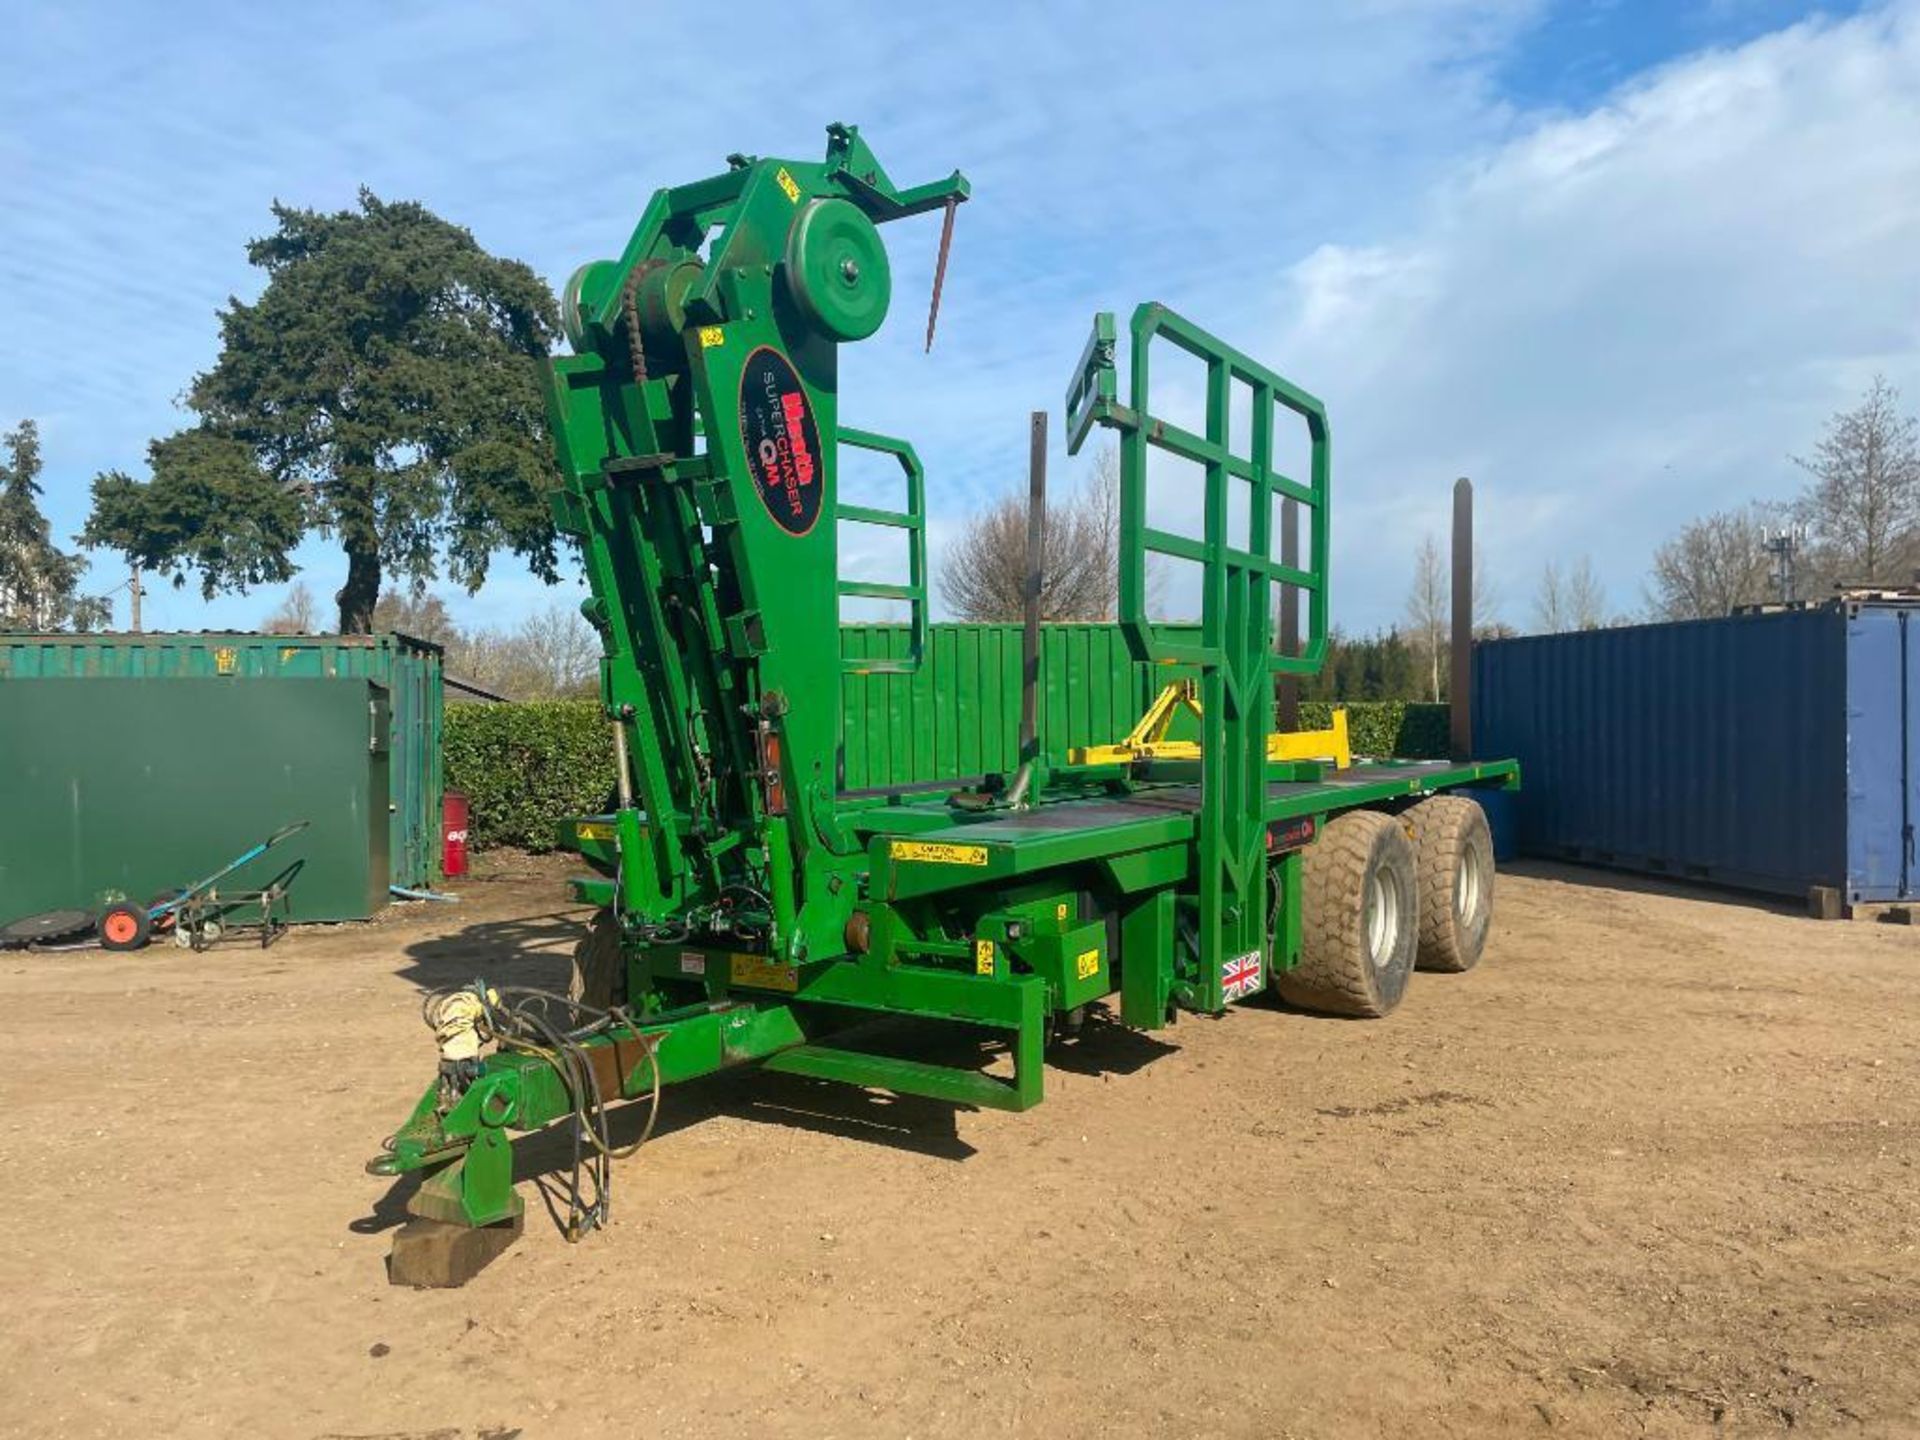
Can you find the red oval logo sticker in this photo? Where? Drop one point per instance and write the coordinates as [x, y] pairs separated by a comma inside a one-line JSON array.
[[781, 440]]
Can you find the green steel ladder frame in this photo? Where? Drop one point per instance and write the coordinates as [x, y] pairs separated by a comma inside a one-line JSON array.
[[1234, 650], [914, 521]]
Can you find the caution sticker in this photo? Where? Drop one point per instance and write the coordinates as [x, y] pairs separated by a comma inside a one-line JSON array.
[[983, 957], [765, 974], [712, 335], [1086, 965], [787, 184], [596, 830], [925, 852]]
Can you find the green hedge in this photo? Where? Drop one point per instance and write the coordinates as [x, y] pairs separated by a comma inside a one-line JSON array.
[[1405, 729], [522, 767]]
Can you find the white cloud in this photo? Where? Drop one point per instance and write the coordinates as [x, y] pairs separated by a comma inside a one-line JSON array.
[[1691, 276], [1620, 319], [1115, 155]]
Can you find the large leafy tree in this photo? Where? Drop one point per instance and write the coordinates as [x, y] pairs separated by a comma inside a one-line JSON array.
[[383, 391], [39, 582]]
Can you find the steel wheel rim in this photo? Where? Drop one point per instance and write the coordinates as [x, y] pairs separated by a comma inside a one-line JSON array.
[[1469, 887], [1382, 919]]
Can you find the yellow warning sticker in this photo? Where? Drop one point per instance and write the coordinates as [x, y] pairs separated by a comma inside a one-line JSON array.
[[926, 852], [786, 183], [983, 957], [764, 973], [1060, 913], [1086, 965], [712, 335], [596, 830]]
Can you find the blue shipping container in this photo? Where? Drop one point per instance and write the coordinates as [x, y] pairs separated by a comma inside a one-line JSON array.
[[1773, 752]]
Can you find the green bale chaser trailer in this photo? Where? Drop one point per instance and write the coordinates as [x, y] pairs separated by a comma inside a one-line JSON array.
[[753, 909]]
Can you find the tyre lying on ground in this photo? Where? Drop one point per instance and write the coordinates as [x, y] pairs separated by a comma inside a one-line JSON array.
[[1453, 848], [1359, 918]]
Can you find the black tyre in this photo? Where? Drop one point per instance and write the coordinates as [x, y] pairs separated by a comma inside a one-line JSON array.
[[1359, 918], [599, 977], [124, 927], [1454, 849]]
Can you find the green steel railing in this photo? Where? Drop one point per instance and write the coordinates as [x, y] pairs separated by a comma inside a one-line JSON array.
[[1234, 649], [913, 520]]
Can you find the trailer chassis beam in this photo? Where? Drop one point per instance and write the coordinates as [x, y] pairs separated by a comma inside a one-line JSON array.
[[468, 1148]]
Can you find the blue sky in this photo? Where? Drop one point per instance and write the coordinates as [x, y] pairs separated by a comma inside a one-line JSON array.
[[1614, 260]]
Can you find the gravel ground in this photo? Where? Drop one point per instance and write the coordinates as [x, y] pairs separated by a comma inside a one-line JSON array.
[[1647, 1171]]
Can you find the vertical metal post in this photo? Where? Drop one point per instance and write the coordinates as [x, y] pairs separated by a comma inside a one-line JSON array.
[[1460, 680], [133, 601], [1036, 551], [1030, 637], [1287, 709]]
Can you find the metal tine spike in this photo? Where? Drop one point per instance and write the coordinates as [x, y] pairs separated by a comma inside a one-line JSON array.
[[940, 269]]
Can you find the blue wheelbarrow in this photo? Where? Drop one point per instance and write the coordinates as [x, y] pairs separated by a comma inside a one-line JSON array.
[[202, 912]]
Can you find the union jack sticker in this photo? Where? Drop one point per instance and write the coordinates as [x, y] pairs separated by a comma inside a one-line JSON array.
[[1240, 976]]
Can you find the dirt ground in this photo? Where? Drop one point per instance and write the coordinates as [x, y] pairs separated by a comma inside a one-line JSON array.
[[1648, 1171]]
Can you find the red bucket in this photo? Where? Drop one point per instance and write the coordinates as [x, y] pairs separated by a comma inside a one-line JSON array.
[[453, 834]]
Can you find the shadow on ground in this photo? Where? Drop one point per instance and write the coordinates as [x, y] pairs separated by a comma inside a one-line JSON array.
[[532, 950], [1595, 877], [536, 951]]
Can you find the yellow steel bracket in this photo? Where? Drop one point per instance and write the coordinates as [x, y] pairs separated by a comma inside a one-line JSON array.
[[1148, 739], [1329, 744]]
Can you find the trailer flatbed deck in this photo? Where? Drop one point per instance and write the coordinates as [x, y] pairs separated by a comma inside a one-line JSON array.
[[1080, 827]]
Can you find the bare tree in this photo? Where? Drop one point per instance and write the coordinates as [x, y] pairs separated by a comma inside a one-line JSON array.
[[1714, 564], [1586, 596], [421, 614], [1486, 603], [1429, 607], [1428, 618], [296, 614], [551, 653], [1550, 601], [984, 576], [1864, 502], [556, 652], [1570, 599]]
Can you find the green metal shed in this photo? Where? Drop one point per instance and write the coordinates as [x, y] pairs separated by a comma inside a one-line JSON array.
[[132, 787], [408, 669]]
